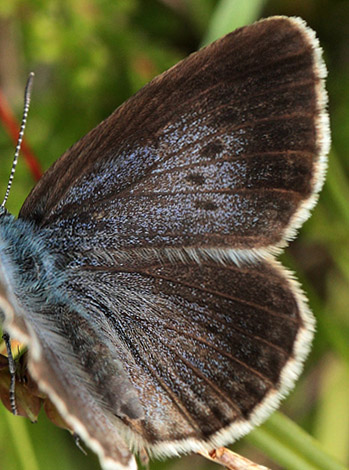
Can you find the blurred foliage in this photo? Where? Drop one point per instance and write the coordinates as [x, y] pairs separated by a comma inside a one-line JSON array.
[[91, 55]]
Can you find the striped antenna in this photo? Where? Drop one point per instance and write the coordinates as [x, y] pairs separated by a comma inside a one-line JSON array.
[[27, 95]]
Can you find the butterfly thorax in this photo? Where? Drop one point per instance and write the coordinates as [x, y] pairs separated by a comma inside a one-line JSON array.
[[28, 266]]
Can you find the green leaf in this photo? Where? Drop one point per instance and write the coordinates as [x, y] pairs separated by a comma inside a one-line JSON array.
[[231, 14], [289, 445]]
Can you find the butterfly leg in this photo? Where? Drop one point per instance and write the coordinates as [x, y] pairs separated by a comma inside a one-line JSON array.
[[12, 369]]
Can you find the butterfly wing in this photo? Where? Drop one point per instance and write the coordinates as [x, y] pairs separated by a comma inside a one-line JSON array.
[[224, 153], [218, 159], [210, 350]]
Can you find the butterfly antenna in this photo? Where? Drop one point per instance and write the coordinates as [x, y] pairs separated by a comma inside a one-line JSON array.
[[27, 95]]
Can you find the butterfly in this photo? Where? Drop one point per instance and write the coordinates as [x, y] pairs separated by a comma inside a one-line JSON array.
[[141, 271]]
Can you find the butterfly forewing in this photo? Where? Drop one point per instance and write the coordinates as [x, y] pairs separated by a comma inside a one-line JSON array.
[[218, 152]]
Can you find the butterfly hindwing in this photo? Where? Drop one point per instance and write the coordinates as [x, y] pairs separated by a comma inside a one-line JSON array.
[[205, 346], [207, 351]]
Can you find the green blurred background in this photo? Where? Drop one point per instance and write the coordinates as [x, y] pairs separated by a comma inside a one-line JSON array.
[[91, 55]]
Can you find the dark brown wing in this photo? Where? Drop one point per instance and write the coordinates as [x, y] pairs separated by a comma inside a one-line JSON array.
[[225, 150], [210, 349]]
